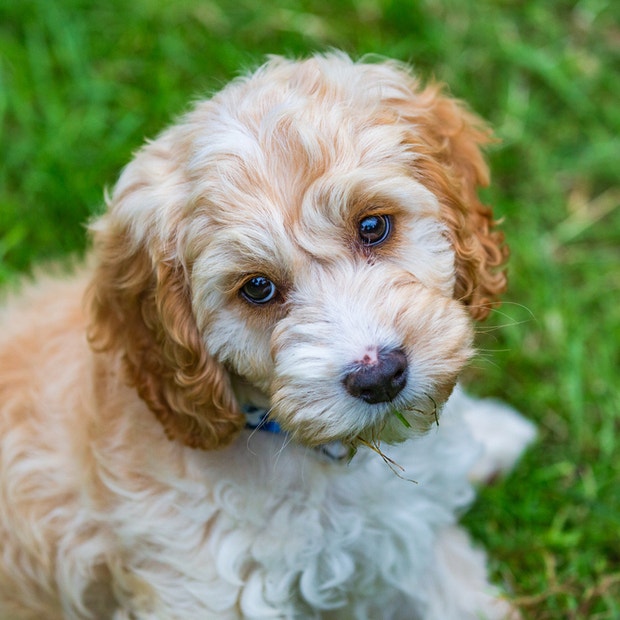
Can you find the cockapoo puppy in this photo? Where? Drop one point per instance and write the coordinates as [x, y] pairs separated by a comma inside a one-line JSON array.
[[209, 421]]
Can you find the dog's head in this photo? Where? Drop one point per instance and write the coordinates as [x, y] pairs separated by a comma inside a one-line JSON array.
[[310, 240]]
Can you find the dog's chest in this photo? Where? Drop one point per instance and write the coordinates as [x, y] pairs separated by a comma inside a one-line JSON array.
[[268, 526]]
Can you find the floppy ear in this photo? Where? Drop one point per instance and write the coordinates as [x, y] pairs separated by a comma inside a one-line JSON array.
[[139, 306], [448, 139]]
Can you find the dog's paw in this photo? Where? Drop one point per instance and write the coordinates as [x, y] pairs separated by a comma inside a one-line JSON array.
[[502, 432]]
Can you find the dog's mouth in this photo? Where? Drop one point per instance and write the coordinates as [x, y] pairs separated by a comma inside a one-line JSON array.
[[401, 422], [396, 425], [380, 378], [362, 423]]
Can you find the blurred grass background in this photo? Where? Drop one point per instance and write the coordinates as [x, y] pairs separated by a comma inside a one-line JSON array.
[[83, 83]]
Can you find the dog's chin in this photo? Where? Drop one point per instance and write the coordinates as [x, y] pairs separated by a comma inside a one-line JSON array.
[[357, 423], [399, 425]]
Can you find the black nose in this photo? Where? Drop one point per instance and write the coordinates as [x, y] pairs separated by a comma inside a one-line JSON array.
[[379, 381]]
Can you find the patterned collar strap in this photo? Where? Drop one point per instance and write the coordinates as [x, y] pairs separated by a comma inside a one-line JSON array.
[[257, 418]]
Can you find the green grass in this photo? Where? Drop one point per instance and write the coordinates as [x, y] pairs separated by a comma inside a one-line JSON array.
[[82, 83]]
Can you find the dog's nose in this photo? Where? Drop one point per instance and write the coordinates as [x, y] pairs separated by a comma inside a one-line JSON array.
[[379, 381]]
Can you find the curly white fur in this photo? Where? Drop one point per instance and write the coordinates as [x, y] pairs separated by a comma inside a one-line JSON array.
[[107, 513]]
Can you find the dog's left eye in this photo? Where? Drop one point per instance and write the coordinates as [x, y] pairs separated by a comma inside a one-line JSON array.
[[259, 290], [374, 229]]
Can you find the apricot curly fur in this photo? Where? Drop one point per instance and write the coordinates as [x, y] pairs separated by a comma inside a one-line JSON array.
[[448, 139], [143, 312]]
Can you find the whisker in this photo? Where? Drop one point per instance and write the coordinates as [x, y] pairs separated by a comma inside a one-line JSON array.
[[287, 440], [395, 467]]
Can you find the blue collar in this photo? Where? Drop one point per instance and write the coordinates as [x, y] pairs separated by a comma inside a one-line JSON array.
[[257, 418]]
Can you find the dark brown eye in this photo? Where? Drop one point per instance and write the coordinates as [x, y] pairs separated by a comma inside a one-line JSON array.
[[374, 229], [259, 290]]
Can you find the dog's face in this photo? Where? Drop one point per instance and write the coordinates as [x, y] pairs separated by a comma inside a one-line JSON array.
[[308, 240], [327, 280]]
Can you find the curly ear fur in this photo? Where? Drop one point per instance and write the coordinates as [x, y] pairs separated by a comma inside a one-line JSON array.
[[447, 139], [139, 305]]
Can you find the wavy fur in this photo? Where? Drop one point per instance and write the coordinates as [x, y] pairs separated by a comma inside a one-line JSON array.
[[129, 487]]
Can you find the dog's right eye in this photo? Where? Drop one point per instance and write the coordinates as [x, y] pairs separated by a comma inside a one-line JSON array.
[[259, 290], [374, 229]]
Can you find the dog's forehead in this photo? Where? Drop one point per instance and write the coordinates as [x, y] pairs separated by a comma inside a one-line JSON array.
[[281, 158]]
